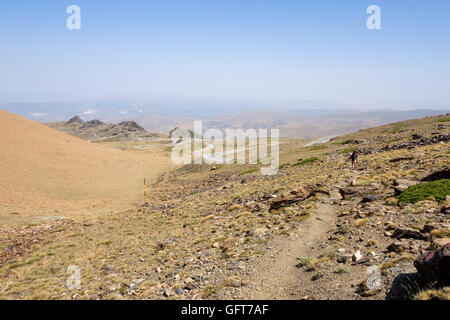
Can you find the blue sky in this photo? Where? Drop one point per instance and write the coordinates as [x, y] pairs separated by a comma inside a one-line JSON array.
[[265, 50]]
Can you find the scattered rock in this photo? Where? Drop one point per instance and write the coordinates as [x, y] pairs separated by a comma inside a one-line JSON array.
[[401, 159], [167, 244], [343, 259], [208, 253], [357, 256], [353, 141], [168, 292], [438, 242], [348, 192], [335, 195], [419, 141], [135, 283], [397, 247], [409, 234], [257, 232], [289, 198], [403, 184], [430, 227], [188, 283], [370, 198], [179, 291]]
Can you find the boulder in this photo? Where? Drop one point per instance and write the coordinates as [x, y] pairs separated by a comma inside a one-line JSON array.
[[289, 198], [344, 258], [429, 227], [434, 266], [401, 159], [403, 184], [396, 247], [409, 234], [348, 192], [370, 198], [438, 242], [357, 256], [437, 175], [257, 232], [335, 195]]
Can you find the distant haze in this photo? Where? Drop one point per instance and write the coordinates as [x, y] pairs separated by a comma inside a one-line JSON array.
[[220, 50], [295, 119]]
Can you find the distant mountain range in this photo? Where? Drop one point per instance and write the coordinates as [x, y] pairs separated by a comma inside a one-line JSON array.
[[294, 118], [292, 124]]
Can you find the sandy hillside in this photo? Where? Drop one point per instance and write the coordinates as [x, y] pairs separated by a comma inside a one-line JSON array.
[[46, 172]]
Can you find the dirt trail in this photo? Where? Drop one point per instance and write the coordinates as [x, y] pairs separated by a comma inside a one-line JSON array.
[[275, 275]]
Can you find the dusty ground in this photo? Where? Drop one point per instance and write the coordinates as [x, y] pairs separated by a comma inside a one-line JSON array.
[[47, 173], [275, 275], [209, 234]]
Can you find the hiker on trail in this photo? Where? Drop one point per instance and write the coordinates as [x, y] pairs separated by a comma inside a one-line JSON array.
[[354, 158]]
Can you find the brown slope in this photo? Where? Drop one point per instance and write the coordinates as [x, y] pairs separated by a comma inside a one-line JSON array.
[[43, 171]]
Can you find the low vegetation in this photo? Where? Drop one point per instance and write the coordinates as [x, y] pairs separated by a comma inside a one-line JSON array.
[[248, 171], [436, 190], [307, 160], [348, 150], [318, 147]]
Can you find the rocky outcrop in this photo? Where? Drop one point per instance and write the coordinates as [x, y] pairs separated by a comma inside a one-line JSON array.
[[73, 120], [418, 141], [291, 197], [97, 129], [403, 184], [409, 234], [434, 266], [131, 126]]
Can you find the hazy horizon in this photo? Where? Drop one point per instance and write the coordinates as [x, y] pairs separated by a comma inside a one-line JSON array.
[[184, 108]]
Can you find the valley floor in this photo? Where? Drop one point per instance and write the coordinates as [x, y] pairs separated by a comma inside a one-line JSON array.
[[310, 232]]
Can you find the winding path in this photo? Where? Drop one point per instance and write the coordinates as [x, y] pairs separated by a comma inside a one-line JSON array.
[[275, 275]]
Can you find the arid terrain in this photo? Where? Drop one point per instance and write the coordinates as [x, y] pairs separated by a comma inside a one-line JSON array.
[[48, 173], [316, 230]]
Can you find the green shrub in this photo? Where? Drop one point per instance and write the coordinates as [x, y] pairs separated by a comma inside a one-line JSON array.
[[248, 171], [307, 160], [281, 166], [397, 130], [348, 150], [438, 190], [318, 147], [444, 120]]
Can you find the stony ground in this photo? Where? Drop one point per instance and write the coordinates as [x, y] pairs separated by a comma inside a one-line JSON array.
[[310, 232]]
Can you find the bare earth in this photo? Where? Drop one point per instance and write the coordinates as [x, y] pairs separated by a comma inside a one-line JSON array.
[[46, 172], [276, 275]]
